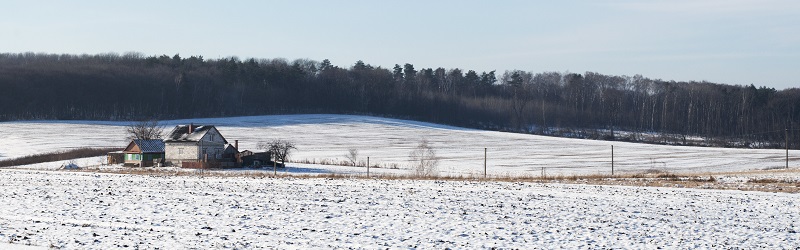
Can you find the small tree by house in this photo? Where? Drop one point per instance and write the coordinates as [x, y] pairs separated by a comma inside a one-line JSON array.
[[145, 130], [424, 161], [280, 149]]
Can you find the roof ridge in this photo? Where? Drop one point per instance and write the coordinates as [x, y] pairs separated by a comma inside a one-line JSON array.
[[181, 133]]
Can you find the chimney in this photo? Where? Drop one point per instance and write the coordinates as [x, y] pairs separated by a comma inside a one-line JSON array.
[[190, 127], [236, 144]]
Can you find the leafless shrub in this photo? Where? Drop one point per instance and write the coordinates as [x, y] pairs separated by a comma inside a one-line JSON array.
[[668, 176], [393, 166], [324, 161], [352, 156], [424, 161]]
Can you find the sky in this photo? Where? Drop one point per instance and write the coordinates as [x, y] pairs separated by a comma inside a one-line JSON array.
[[723, 41]]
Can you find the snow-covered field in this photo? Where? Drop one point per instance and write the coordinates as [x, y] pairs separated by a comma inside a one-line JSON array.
[[80, 210], [177, 208], [388, 143]]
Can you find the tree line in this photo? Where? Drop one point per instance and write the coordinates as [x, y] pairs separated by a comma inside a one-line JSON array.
[[133, 86]]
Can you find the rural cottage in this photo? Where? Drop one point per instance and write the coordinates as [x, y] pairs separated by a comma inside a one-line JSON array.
[[188, 144], [144, 153]]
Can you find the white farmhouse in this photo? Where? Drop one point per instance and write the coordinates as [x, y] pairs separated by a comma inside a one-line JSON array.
[[193, 143]]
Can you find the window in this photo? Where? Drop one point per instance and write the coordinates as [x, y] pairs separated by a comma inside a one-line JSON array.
[[180, 151]]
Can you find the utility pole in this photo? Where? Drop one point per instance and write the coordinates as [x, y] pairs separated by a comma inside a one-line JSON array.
[[786, 137], [367, 166], [484, 163]]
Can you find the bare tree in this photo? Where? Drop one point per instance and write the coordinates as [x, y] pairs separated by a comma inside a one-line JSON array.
[[518, 79], [145, 130], [280, 149], [352, 156], [423, 159]]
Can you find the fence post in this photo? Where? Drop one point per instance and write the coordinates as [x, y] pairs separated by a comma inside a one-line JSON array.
[[612, 160], [367, 166], [484, 163]]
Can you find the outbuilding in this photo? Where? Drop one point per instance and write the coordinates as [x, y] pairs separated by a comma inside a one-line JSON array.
[[144, 153]]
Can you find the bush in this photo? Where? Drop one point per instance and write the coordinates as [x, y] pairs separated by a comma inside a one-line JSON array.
[[424, 161]]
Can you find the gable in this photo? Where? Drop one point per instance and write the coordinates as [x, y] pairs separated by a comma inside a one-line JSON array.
[[213, 135], [230, 150], [132, 148]]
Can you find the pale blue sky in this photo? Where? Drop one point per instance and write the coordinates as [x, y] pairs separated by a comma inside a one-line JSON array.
[[724, 41]]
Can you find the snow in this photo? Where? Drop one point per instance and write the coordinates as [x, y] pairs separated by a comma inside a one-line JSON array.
[[388, 143], [80, 210], [43, 205], [9, 246], [88, 162]]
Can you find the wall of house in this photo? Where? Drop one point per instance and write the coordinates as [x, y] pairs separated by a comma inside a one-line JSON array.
[[214, 151], [142, 160], [132, 158], [213, 144], [176, 152], [152, 156], [142, 157]]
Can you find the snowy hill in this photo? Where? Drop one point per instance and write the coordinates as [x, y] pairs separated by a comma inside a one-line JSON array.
[[388, 143], [92, 210]]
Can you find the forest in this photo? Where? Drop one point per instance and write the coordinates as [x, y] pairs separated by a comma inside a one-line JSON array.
[[132, 86]]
